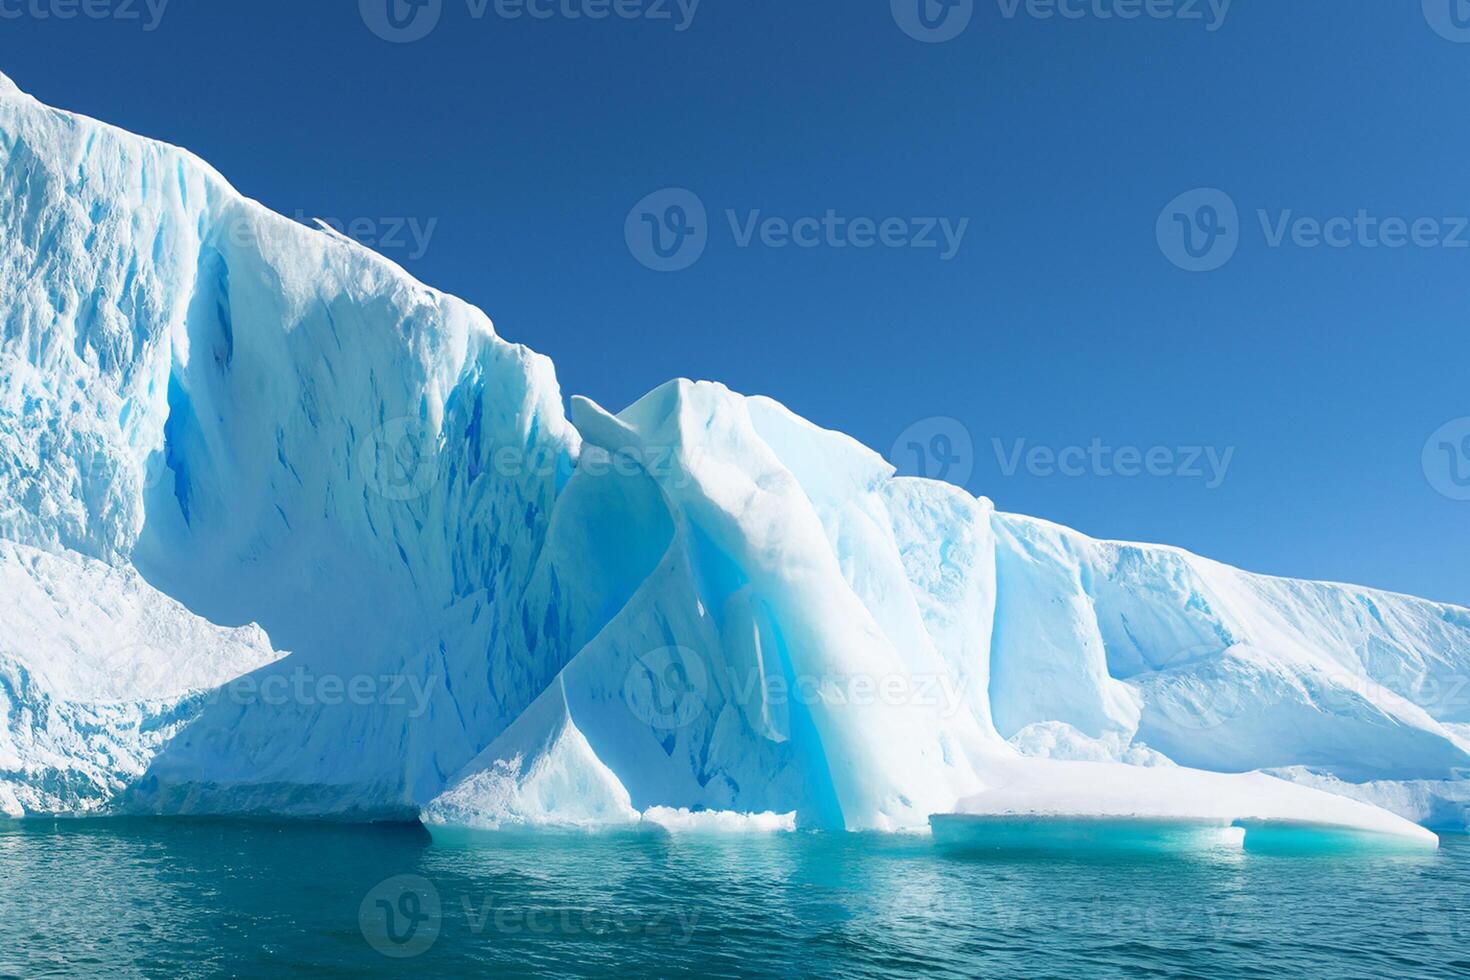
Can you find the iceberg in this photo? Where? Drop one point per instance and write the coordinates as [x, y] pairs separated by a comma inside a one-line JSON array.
[[285, 532], [1066, 806]]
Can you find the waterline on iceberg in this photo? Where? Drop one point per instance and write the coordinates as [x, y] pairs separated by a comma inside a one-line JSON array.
[[237, 447]]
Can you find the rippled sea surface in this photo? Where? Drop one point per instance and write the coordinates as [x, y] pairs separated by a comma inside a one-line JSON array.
[[184, 898]]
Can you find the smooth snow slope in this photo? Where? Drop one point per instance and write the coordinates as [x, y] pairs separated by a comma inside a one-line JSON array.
[[701, 603]]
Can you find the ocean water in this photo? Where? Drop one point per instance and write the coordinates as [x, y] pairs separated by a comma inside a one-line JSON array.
[[176, 898]]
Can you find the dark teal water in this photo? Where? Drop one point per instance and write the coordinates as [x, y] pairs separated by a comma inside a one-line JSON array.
[[187, 899]]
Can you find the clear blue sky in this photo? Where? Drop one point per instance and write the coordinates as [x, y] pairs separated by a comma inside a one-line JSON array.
[[1060, 320]]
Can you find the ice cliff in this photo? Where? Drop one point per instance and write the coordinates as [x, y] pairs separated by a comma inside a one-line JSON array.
[[284, 531]]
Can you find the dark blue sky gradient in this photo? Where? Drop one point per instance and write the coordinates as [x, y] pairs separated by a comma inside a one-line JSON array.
[[1059, 322]]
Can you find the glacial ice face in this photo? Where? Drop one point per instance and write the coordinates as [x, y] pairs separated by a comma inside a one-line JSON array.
[[274, 426], [98, 670], [698, 723], [1232, 671], [212, 417], [779, 661]]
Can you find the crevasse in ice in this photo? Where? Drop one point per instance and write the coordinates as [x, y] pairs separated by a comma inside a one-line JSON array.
[[284, 531]]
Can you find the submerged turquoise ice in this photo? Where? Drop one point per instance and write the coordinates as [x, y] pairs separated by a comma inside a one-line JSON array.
[[198, 899], [285, 532]]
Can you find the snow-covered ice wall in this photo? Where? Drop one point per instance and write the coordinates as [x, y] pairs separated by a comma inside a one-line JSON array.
[[284, 531], [217, 396]]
